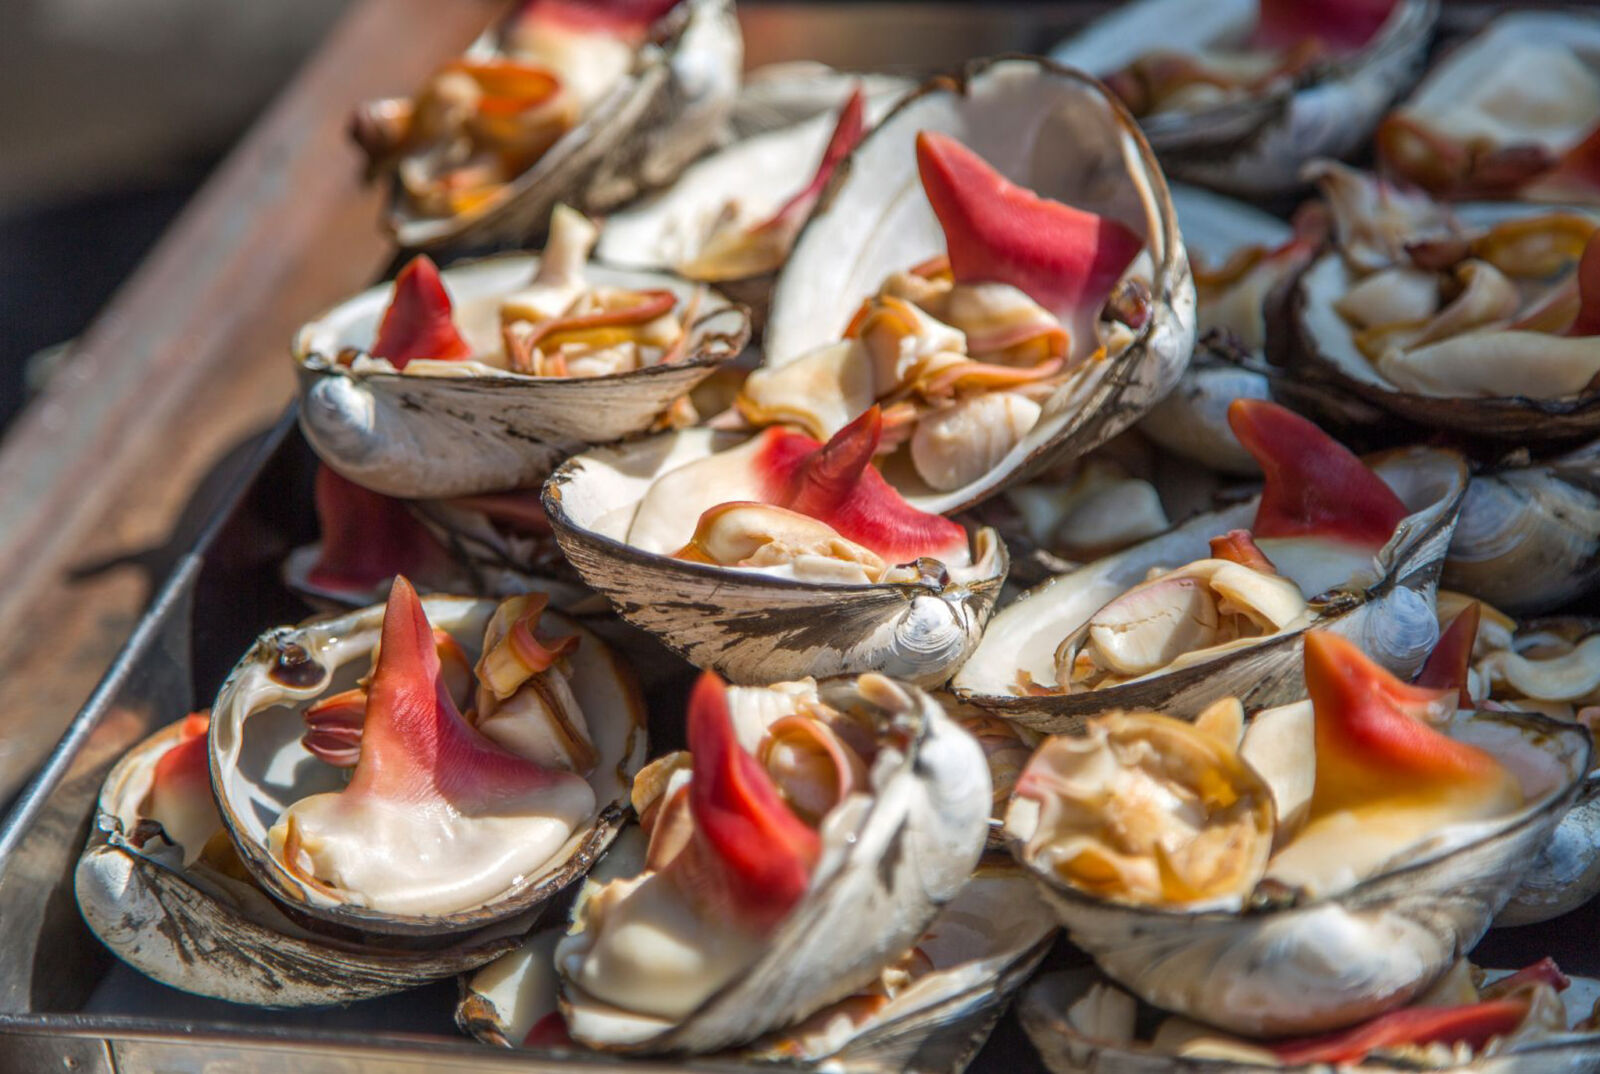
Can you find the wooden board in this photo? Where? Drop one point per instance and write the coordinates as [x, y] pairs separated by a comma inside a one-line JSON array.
[[189, 359]]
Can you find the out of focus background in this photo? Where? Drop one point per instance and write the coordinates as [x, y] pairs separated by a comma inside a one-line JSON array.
[[113, 113]]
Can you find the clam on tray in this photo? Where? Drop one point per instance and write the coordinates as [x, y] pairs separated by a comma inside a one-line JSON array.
[[875, 575]]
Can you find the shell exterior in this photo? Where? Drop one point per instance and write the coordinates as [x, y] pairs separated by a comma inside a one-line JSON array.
[[1066, 1049], [1566, 872], [1052, 130], [210, 934], [749, 627], [657, 119], [1192, 421], [998, 930], [887, 866], [417, 435], [259, 767], [1336, 960], [1256, 147], [1529, 536], [1392, 620], [1320, 350]]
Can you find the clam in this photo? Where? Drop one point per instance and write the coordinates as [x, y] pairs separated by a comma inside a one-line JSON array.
[[560, 101], [485, 376], [160, 886], [1528, 539], [1511, 113], [1220, 604], [999, 266], [803, 847], [773, 555], [1327, 867], [1472, 1022], [1240, 257], [936, 1004], [365, 539], [1237, 94], [442, 825], [507, 546], [1481, 321], [731, 217]]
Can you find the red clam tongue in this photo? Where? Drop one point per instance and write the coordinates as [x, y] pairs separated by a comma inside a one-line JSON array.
[[836, 483], [1587, 323], [846, 135], [418, 322], [1314, 485], [748, 845], [415, 746], [1474, 1025], [1373, 738], [1067, 260], [1447, 666], [367, 538], [624, 18], [1342, 25]]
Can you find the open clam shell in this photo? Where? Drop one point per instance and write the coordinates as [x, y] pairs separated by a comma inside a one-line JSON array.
[[1320, 349], [657, 118], [1327, 962], [1499, 115], [483, 429], [890, 858], [1053, 131], [982, 944], [1069, 1048], [1256, 146], [751, 627], [259, 765], [1392, 618], [1528, 540], [200, 929], [760, 173]]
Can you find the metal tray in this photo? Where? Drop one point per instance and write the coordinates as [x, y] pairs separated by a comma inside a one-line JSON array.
[[66, 1004]]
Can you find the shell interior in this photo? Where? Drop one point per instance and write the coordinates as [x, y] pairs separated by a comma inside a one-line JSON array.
[[1053, 131], [259, 766], [1023, 637]]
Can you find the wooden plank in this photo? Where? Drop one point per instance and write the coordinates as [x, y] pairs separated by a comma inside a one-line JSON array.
[[188, 359]]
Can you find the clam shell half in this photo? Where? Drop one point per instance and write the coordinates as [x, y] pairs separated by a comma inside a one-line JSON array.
[[415, 435], [1337, 960], [1392, 619], [211, 934], [750, 627], [659, 117], [890, 859], [1256, 146], [986, 941], [259, 767], [1053, 130], [1529, 536], [1069, 1049], [1320, 349]]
